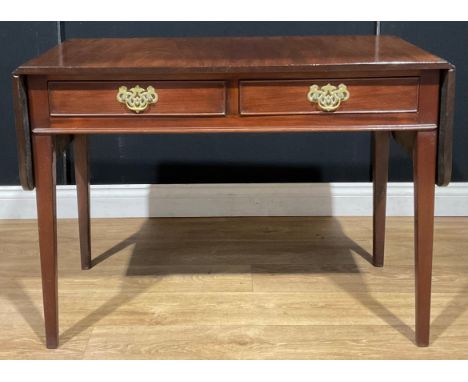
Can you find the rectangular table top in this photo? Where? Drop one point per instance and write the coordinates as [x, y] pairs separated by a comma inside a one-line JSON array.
[[230, 55], [234, 60]]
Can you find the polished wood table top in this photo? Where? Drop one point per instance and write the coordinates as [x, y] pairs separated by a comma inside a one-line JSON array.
[[230, 55], [379, 84]]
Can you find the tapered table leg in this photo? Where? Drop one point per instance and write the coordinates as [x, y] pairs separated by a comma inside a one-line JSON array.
[[380, 152], [424, 170], [82, 187], [44, 173]]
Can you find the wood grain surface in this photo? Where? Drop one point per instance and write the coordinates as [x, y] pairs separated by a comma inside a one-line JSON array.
[[23, 133], [379, 95], [98, 98], [234, 288], [446, 119], [230, 54], [58, 104], [386, 103]]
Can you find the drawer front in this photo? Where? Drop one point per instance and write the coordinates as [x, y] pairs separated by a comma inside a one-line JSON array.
[[169, 98], [372, 95]]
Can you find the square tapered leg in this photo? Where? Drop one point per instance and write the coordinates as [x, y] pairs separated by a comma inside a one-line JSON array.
[[380, 152], [424, 169], [82, 187], [44, 173]]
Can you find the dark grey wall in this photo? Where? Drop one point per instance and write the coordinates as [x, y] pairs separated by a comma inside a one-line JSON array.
[[231, 157], [19, 41]]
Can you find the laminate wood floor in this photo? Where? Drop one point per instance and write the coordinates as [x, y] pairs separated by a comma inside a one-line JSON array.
[[234, 288]]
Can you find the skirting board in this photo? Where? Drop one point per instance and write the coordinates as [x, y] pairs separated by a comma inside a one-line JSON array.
[[182, 200]]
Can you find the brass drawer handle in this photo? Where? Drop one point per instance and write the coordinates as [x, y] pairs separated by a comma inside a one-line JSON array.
[[328, 97], [137, 99]]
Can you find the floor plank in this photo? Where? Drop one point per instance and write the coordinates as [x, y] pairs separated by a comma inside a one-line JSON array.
[[234, 288], [266, 342]]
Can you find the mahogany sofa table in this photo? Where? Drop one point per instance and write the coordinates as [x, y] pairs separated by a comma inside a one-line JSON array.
[[379, 84]]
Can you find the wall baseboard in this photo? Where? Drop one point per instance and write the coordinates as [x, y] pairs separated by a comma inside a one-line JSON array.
[[270, 199]]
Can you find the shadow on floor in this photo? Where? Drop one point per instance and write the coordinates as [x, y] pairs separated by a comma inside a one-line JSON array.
[[193, 246], [454, 309], [292, 245], [27, 308]]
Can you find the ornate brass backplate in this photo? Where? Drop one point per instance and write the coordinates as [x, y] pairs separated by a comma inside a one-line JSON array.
[[137, 99], [328, 97]]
